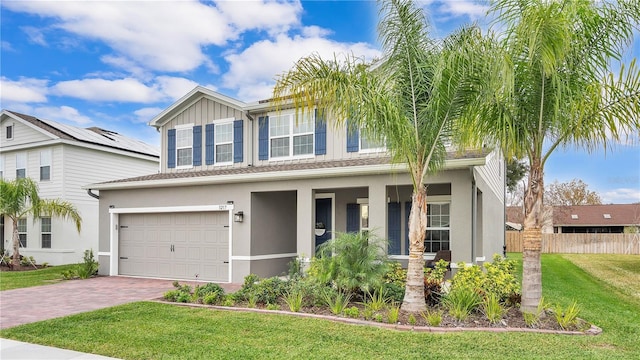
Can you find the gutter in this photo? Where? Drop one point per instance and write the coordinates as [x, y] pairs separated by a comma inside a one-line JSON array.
[[95, 196], [474, 214], [279, 175]]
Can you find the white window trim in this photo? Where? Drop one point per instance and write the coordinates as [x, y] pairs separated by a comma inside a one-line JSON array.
[[43, 165], [182, 128], [13, 130], [372, 150], [292, 119], [25, 232], [24, 166], [50, 232], [215, 143], [448, 228]]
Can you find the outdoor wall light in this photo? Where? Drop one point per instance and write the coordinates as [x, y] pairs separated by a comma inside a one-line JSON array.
[[238, 217]]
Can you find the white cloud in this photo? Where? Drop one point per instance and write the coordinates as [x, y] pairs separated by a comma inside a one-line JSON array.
[[6, 46], [25, 90], [35, 35], [253, 71], [621, 196], [62, 114], [174, 87], [123, 90], [145, 115], [159, 35], [458, 8], [273, 16]]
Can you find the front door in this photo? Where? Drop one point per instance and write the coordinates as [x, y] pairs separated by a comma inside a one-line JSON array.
[[324, 226]]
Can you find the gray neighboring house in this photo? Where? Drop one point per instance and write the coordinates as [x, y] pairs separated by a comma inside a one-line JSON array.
[[243, 189], [61, 159]]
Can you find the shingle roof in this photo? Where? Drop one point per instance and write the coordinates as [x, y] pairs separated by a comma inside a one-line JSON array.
[[283, 167], [94, 135], [601, 215], [586, 215]]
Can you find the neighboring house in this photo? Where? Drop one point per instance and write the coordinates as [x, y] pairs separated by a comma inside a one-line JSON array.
[[612, 218], [61, 159], [243, 189]]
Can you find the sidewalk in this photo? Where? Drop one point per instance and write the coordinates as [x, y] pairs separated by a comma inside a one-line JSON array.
[[13, 350]]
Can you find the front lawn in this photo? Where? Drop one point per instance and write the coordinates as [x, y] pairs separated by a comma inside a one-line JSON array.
[[151, 330], [21, 279]]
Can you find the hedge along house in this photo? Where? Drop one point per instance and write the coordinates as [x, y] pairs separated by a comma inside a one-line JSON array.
[[243, 189]]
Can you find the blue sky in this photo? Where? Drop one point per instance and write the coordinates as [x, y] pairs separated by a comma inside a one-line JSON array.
[[117, 64]]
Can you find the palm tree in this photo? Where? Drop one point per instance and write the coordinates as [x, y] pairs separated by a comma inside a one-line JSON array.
[[410, 100], [562, 93], [19, 198]]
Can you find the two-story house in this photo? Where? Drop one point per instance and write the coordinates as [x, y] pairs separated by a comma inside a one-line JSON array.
[[62, 158], [243, 189]]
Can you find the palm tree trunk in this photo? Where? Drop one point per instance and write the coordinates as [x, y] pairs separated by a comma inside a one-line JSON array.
[[532, 240], [16, 244], [414, 291]]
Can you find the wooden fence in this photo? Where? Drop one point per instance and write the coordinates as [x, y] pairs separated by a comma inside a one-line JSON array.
[[580, 243]]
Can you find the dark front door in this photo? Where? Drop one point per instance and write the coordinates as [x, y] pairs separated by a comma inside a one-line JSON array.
[[324, 227]]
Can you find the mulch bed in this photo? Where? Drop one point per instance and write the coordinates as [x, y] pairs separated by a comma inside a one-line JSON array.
[[512, 320], [20, 268]]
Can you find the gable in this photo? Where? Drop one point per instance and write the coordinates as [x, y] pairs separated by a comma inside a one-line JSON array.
[[22, 132]]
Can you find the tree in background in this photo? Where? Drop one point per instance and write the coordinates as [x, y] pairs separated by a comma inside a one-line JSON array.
[[411, 100], [516, 171], [19, 198], [574, 192], [560, 93]]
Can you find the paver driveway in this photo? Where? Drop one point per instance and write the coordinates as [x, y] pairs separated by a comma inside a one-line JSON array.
[[22, 306]]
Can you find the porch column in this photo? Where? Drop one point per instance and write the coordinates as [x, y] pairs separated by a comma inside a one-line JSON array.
[[378, 209], [305, 223]]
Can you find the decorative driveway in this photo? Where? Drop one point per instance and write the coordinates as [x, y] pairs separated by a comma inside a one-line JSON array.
[[27, 305]]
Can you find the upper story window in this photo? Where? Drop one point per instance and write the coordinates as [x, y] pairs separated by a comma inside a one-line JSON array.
[[21, 165], [184, 146], [368, 144], [45, 165], [224, 143], [290, 137], [9, 132]]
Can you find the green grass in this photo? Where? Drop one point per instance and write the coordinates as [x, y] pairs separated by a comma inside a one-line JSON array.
[[21, 279], [151, 330]]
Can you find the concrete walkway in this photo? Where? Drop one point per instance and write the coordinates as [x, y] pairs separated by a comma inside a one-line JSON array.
[[27, 305], [16, 350]]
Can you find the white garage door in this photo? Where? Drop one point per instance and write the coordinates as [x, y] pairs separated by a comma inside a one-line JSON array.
[[175, 245]]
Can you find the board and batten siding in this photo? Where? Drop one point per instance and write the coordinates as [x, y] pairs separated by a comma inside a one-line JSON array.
[[493, 173], [336, 144], [203, 111]]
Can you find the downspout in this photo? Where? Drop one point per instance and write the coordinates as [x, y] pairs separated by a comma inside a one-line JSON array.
[[474, 214], [92, 194]]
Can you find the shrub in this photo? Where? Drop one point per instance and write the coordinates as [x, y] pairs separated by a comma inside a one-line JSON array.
[[377, 317], [470, 277], [433, 280], [492, 308], [265, 291], [393, 314], [352, 312], [461, 301], [27, 261], [376, 301], [568, 317], [337, 302], [395, 281], [412, 320], [295, 268], [273, 307], [209, 294], [433, 318], [181, 293], [294, 300], [353, 262], [89, 267], [532, 319], [501, 279]]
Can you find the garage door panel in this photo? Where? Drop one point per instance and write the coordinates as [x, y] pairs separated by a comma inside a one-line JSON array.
[[175, 245]]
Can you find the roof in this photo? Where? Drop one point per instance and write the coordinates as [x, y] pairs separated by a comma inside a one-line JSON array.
[[93, 135], [586, 215], [349, 167], [597, 215]]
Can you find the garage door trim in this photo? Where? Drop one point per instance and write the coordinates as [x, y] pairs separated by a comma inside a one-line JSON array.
[[114, 233]]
